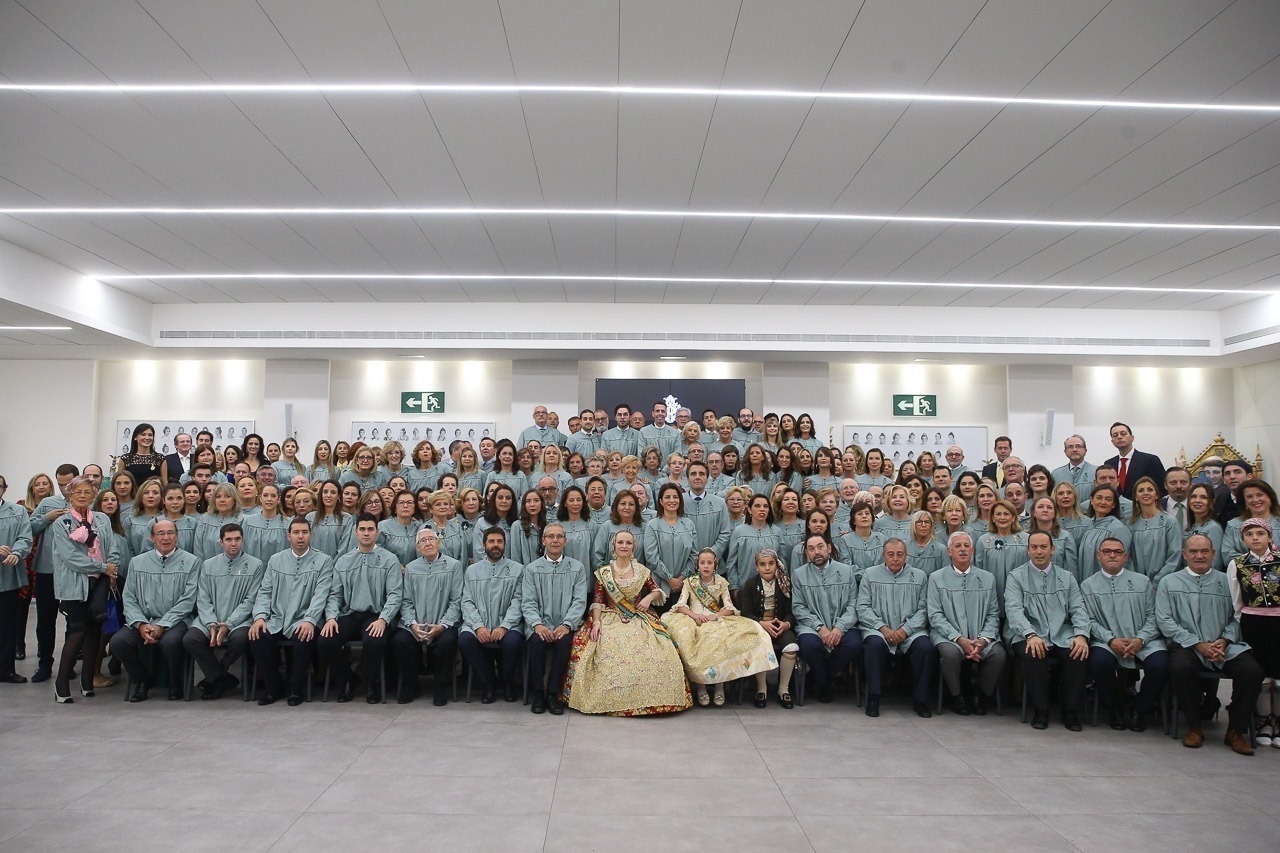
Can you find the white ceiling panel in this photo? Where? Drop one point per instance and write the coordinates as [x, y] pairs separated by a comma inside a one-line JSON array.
[[563, 41], [660, 144], [489, 143], [647, 246], [577, 167], [897, 45], [799, 54], [673, 42]]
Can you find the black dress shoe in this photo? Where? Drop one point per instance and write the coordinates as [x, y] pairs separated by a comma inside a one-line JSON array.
[[1040, 720], [1071, 720], [374, 696], [488, 697], [978, 707], [139, 693], [439, 698], [266, 699], [510, 694], [345, 694], [13, 678], [1137, 721], [555, 706], [825, 694], [539, 705], [294, 700], [175, 695], [959, 707], [208, 691], [922, 710], [1115, 718], [785, 700], [404, 697], [873, 706], [1208, 708], [42, 674], [227, 681], [762, 700]]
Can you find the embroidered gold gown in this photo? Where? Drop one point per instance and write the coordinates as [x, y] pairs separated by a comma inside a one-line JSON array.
[[633, 669], [726, 649]]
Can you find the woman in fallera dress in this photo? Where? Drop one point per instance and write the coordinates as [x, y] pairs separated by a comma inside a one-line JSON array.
[[624, 661]]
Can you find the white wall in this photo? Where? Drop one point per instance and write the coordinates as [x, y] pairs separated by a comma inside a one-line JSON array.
[[553, 384], [305, 386], [1033, 390], [49, 419], [797, 388], [1257, 414]]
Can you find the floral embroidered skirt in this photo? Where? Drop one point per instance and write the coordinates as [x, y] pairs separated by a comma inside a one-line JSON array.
[[630, 671], [724, 650]]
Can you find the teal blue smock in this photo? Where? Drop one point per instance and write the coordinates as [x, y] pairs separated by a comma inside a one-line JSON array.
[[1075, 526], [554, 594], [669, 550], [1000, 555], [482, 527], [710, 517], [929, 557], [432, 593], [976, 527], [625, 441], [208, 533], [720, 484], [824, 598], [294, 590], [602, 547], [1066, 552], [744, 543], [893, 528], [329, 535], [866, 481], [1090, 539], [366, 582], [137, 528], [376, 480], [744, 438], [1156, 548], [1213, 530], [471, 480], [580, 539], [39, 524], [790, 534], [963, 605], [491, 596], [1081, 478], [418, 479], [456, 539], [265, 537], [226, 591], [861, 553], [121, 547], [664, 437], [818, 482], [286, 471], [543, 435], [893, 600], [1047, 604], [524, 547], [71, 562], [518, 482], [1193, 608], [582, 442], [400, 539], [759, 485], [15, 531], [161, 590], [1122, 605], [320, 473]]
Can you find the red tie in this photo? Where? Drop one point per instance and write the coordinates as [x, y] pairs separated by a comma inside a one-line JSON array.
[[1124, 472]]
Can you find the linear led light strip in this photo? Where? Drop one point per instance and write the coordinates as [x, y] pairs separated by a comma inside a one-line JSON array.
[[663, 91], [35, 328], [641, 279], [628, 213]]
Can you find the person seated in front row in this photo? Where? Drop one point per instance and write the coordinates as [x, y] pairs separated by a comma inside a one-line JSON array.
[[492, 620], [225, 595], [1195, 613], [159, 599], [1122, 628], [363, 604], [430, 610], [824, 600], [766, 598], [892, 603], [553, 601], [964, 625], [290, 604], [1046, 619]]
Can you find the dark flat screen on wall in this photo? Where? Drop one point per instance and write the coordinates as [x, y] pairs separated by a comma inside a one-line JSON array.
[[726, 396]]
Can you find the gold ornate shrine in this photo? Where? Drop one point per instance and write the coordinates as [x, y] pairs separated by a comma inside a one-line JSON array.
[[1221, 449]]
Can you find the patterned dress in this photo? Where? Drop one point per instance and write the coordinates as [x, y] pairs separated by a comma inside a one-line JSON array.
[[727, 649], [633, 669]]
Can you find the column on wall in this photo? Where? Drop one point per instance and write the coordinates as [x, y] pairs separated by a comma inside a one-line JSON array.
[[304, 384], [1035, 390]]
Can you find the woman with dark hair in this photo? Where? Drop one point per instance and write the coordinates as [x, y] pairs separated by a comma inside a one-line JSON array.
[[756, 472], [875, 475], [787, 428], [824, 471], [749, 539], [499, 511], [399, 533], [505, 470], [1044, 519], [669, 542], [1039, 483], [524, 543], [253, 451], [330, 526], [785, 470], [1202, 520], [966, 488], [108, 505], [579, 530], [806, 433], [143, 461], [266, 532], [1256, 499], [624, 514], [1104, 514], [1157, 542]]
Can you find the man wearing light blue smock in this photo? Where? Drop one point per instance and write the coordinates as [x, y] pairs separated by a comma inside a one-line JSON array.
[[708, 512], [15, 544], [660, 434], [541, 431], [824, 601], [225, 593], [585, 440], [1077, 471], [621, 438], [159, 600], [745, 434], [892, 602], [492, 619], [430, 610], [964, 625], [553, 601]]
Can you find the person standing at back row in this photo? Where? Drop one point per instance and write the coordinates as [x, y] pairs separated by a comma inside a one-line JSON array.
[[1132, 465], [994, 471]]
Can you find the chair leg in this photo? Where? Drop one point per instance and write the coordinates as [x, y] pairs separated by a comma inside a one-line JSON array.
[[1024, 701], [188, 678]]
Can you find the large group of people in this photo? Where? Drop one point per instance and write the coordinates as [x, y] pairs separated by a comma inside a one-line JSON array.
[[641, 567]]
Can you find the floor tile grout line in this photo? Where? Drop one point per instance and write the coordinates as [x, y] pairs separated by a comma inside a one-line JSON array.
[[774, 779], [555, 786]]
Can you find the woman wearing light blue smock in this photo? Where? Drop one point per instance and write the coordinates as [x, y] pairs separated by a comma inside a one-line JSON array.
[[670, 543], [787, 523], [505, 471], [394, 462], [816, 523], [1044, 519], [1066, 505], [624, 514], [399, 534], [364, 472], [924, 551], [874, 475], [139, 520], [896, 522], [756, 473], [1201, 521], [266, 532], [330, 526], [862, 547], [470, 474], [579, 530], [1258, 500], [223, 509], [749, 539], [525, 541], [1003, 548], [289, 465], [502, 512], [824, 471], [806, 434], [173, 503], [322, 467], [785, 469], [1104, 510], [1156, 550]]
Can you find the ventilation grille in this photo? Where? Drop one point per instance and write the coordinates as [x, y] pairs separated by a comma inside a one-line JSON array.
[[676, 337], [1249, 336]]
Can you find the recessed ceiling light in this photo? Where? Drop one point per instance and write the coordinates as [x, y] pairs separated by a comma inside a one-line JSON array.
[[672, 357], [615, 91], [928, 360], [622, 212], [35, 328], [411, 356]]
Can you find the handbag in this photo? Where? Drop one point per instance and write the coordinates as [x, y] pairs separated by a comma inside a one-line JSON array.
[[99, 595], [112, 622]]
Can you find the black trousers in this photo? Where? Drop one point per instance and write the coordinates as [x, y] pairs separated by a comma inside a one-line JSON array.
[[559, 651], [920, 653], [196, 644], [266, 657], [1105, 668], [1035, 673], [477, 654], [1246, 683], [408, 654], [46, 620], [8, 630], [126, 645], [352, 628]]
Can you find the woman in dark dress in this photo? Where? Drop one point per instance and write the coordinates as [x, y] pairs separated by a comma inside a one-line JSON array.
[[142, 460]]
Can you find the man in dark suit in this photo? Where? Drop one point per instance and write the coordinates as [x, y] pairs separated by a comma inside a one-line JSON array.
[[1225, 506], [1132, 465], [995, 470], [180, 463]]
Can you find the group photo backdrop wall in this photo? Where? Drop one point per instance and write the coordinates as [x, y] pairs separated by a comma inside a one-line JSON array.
[[903, 441], [726, 396], [225, 433], [439, 433]]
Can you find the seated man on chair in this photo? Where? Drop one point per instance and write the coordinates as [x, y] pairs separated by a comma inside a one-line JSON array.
[[891, 614], [491, 617], [824, 600], [1046, 619], [1122, 628], [554, 601], [1195, 612], [430, 610], [225, 594], [364, 601], [964, 625], [159, 598], [289, 606]]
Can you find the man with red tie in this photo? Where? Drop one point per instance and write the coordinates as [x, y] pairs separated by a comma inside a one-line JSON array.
[[1132, 465]]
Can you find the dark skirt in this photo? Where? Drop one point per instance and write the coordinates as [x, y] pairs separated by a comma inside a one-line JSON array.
[[1262, 633]]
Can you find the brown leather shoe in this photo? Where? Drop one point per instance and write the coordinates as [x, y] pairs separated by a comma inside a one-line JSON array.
[[1239, 743], [1194, 738]]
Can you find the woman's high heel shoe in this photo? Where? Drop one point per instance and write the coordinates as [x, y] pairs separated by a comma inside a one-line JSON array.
[[86, 692], [62, 700]]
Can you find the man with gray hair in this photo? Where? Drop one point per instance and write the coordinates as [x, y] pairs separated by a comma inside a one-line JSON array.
[[964, 624], [891, 614]]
